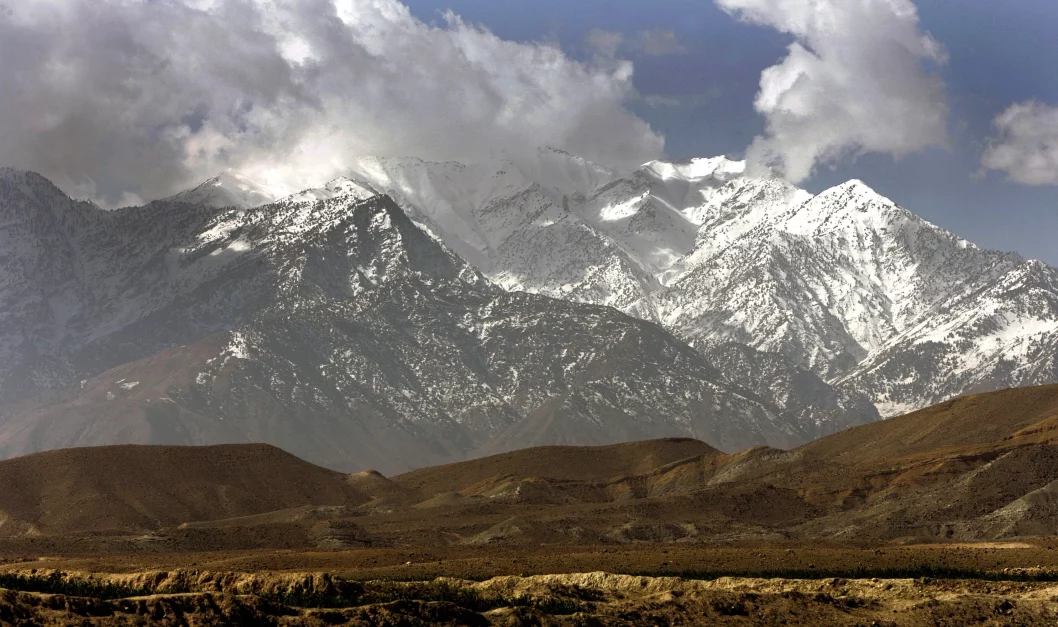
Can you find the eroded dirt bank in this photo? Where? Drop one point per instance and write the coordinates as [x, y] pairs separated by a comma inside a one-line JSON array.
[[190, 597]]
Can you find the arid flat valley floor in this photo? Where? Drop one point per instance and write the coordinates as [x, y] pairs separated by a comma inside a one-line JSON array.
[[1035, 559]]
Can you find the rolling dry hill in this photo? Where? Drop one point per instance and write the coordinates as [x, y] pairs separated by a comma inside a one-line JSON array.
[[564, 463], [996, 420], [982, 467], [135, 488]]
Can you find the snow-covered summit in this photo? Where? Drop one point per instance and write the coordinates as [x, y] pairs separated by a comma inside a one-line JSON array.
[[717, 255], [339, 187], [231, 189], [720, 169]]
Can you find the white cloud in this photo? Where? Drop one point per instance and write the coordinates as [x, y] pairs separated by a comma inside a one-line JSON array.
[[116, 97], [853, 82], [1026, 147]]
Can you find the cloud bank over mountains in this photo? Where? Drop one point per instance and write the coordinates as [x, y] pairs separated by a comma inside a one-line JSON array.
[[124, 100], [856, 80]]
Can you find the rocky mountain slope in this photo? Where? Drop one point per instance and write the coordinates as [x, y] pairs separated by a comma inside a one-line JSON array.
[[846, 284], [335, 328]]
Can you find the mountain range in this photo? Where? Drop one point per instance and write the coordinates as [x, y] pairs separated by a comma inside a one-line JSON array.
[[337, 328], [413, 313], [846, 284]]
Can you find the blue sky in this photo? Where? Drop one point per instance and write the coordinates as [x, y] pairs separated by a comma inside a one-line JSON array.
[[999, 53]]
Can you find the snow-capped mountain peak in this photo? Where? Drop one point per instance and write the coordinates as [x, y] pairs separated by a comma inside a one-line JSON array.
[[231, 189], [720, 169], [814, 307], [855, 210], [341, 186]]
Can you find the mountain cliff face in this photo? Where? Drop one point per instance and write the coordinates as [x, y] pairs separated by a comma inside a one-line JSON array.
[[338, 329]]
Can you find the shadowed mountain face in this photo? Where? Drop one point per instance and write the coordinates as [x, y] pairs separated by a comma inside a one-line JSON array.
[[980, 467], [337, 329]]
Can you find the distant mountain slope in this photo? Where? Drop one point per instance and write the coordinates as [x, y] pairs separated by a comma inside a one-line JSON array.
[[800, 394], [343, 332]]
